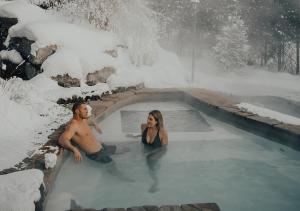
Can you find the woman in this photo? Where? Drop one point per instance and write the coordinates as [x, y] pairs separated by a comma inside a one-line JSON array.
[[154, 133], [155, 137]]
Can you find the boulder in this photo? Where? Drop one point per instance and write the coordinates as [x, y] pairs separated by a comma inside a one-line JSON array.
[[24, 70], [99, 76], [66, 81], [10, 69], [12, 56], [5, 24], [22, 45], [30, 71], [42, 54]]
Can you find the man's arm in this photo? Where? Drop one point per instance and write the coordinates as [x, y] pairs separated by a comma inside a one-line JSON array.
[[65, 141]]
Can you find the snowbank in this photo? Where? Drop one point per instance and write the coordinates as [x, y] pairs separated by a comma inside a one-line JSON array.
[[249, 81], [269, 113], [20, 190]]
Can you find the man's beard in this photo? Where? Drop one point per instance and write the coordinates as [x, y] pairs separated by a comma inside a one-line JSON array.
[[83, 116]]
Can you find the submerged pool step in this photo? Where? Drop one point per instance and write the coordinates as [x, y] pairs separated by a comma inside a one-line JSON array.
[[183, 207]]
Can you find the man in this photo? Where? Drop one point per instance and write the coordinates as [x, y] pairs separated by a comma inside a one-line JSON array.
[[80, 132]]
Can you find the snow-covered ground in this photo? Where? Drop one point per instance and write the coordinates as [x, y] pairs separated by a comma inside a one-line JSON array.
[[28, 110], [19, 190], [249, 81]]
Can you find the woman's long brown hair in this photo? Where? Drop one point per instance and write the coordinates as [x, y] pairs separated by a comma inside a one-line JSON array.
[[158, 117]]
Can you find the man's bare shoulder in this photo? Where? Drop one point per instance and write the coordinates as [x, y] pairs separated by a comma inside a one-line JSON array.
[[72, 124]]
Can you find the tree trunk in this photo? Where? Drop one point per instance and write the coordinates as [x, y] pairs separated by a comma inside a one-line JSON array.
[[265, 53], [297, 54], [279, 56], [282, 55]]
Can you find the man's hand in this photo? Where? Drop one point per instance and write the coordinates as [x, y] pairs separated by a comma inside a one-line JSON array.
[[77, 155]]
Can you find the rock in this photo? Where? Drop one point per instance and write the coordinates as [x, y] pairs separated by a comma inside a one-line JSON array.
[[10, 69], [99, 76], [12, 55], [170, 208], [112, 52], [136, 209], [50, 160], [76, 99], [74, 205], [150, 208], [66, 81], [42, 54], [22, 45], [122, 46], [15, 60], [24, 70], [130, 88], [39, 204], [29, 71], [5, 24]]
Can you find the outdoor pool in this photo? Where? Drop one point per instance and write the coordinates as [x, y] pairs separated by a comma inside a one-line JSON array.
[[206, 161]]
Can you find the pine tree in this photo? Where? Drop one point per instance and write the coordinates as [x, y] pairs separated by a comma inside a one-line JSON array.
[[231, 48]]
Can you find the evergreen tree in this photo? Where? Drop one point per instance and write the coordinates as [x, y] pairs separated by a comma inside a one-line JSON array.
[[231, 48]]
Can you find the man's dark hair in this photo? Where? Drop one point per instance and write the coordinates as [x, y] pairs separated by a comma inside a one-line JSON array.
[[77, 105]]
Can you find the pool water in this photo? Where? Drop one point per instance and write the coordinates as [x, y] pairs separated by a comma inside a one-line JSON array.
[[205, 161]]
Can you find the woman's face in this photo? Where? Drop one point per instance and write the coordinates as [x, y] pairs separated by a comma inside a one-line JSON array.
[[151, 122]]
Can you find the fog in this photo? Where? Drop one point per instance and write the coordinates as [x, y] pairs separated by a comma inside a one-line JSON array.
[[237, 33]]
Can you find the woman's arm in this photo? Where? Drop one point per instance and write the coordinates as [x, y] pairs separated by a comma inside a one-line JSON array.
[[164, 137]]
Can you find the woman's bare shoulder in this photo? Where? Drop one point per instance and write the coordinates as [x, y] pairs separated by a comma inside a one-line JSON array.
[[163, 131], [143, 125]]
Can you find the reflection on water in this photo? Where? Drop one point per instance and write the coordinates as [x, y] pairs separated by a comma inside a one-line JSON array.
[[153, 157]]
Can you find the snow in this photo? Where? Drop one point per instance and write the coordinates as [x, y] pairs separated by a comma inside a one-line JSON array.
[[249, 81], [20, 190], [269, 113], [28, 109], [89, 108], [50, 160], [13, 56]]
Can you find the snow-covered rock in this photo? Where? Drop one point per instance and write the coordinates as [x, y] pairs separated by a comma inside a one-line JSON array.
[[20, 190], [50, 160]]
